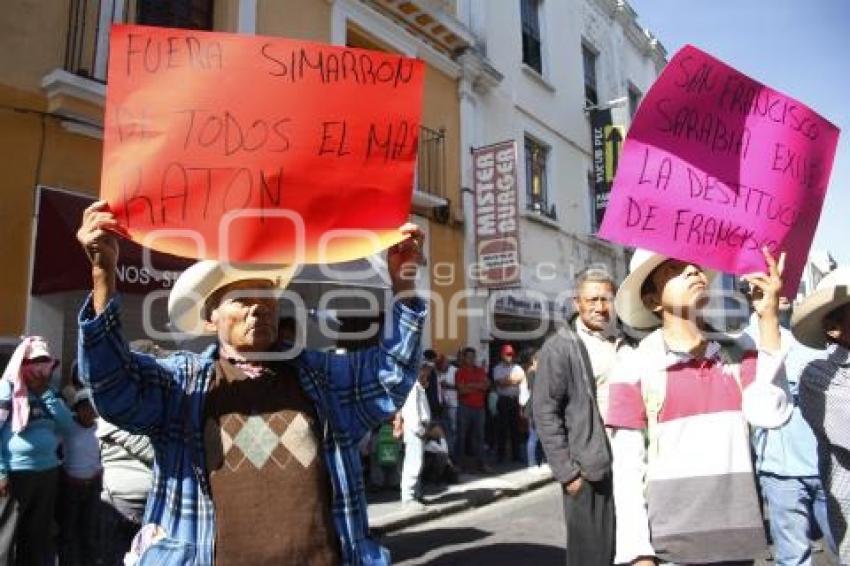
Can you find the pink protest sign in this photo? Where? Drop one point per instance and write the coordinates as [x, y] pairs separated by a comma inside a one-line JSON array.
[[716, 166]]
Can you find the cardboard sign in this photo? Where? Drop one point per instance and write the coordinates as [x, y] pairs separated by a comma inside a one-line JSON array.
[[496, 215], [716, 166], [260, 149]]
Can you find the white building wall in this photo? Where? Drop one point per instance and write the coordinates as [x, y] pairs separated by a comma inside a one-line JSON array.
[[550, 108]]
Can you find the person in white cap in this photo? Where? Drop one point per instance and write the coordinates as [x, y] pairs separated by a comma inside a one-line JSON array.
[[822, 321], [32, 418], [690, 496], [257, 458]]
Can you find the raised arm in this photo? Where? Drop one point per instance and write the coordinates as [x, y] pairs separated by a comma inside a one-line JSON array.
[[373, 384], [765, 395], [129, 390]]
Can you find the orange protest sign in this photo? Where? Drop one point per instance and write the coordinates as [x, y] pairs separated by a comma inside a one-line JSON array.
[[260, 149]]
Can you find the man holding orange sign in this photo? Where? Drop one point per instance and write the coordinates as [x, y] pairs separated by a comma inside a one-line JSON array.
[[257, 457]]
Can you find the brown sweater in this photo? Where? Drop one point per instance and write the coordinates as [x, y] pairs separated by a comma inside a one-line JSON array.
[[270, 486]]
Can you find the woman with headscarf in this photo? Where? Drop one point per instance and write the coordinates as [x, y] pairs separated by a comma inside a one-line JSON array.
[[32, 417]]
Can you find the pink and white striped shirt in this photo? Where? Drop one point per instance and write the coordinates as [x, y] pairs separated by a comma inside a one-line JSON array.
[[694, 489]]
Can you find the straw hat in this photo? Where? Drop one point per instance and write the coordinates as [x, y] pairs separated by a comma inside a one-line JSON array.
[[628, 303], [832, 292], [196, 284]]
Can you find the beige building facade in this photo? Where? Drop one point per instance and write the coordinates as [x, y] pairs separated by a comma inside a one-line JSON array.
[[52, 93]]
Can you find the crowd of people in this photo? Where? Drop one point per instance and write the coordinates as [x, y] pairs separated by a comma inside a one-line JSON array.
[[669, 438], [676, 442], [72, 486], [673, 443], [459, 418]]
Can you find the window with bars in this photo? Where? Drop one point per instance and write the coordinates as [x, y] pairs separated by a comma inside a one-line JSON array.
[[531, 50], [589, 56], [536, 189], [188, 14]]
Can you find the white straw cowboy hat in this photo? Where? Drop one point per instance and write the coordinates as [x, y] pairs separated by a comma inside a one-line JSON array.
[[628, 303], [195, 285], [832, 292]]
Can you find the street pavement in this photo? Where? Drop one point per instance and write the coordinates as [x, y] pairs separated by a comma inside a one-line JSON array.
[[525, 529], [386, 513]]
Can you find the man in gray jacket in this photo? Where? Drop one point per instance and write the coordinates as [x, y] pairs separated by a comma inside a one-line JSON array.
[[572, 432]]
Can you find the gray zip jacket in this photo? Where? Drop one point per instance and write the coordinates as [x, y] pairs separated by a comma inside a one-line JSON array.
[[565, 411]]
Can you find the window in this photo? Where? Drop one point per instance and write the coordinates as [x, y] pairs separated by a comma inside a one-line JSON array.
[[536, 155], [431, 162], [634, 100], [531, 53], [188, 14], [589, 60]]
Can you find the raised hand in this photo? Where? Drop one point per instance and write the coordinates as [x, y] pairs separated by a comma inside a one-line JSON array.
[[766, 287], [765, 290], [404, 258], [96, 235]]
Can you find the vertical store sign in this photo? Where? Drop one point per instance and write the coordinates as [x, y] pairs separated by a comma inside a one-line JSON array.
[[607, 140], [496, 215]]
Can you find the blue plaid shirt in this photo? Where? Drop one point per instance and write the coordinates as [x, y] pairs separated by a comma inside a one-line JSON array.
[[164, 399]]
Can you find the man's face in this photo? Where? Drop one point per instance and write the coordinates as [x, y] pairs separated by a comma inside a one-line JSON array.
[[508, 357], [245, 320], [837, 326], [679, 286], [593, 304], [469, 359], [85, 414], [425, 373]]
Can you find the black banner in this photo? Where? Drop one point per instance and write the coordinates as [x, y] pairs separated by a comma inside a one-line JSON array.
[[606, 140]]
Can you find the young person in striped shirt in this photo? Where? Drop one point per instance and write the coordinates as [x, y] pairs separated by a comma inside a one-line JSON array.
[[679, 405]]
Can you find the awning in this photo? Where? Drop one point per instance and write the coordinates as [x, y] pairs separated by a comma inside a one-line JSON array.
[[60, 264]]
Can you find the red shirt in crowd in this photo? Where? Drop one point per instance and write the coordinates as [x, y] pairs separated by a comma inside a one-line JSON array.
[[468, 375]]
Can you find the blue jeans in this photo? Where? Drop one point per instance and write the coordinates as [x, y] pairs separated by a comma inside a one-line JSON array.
[[450, 424], [531, 444], [470, 423], [795, 507]]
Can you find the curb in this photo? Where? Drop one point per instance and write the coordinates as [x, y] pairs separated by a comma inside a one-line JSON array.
[[402, 520]]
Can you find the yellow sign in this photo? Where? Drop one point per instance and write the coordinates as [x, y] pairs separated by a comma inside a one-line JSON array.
[[613, 136]]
